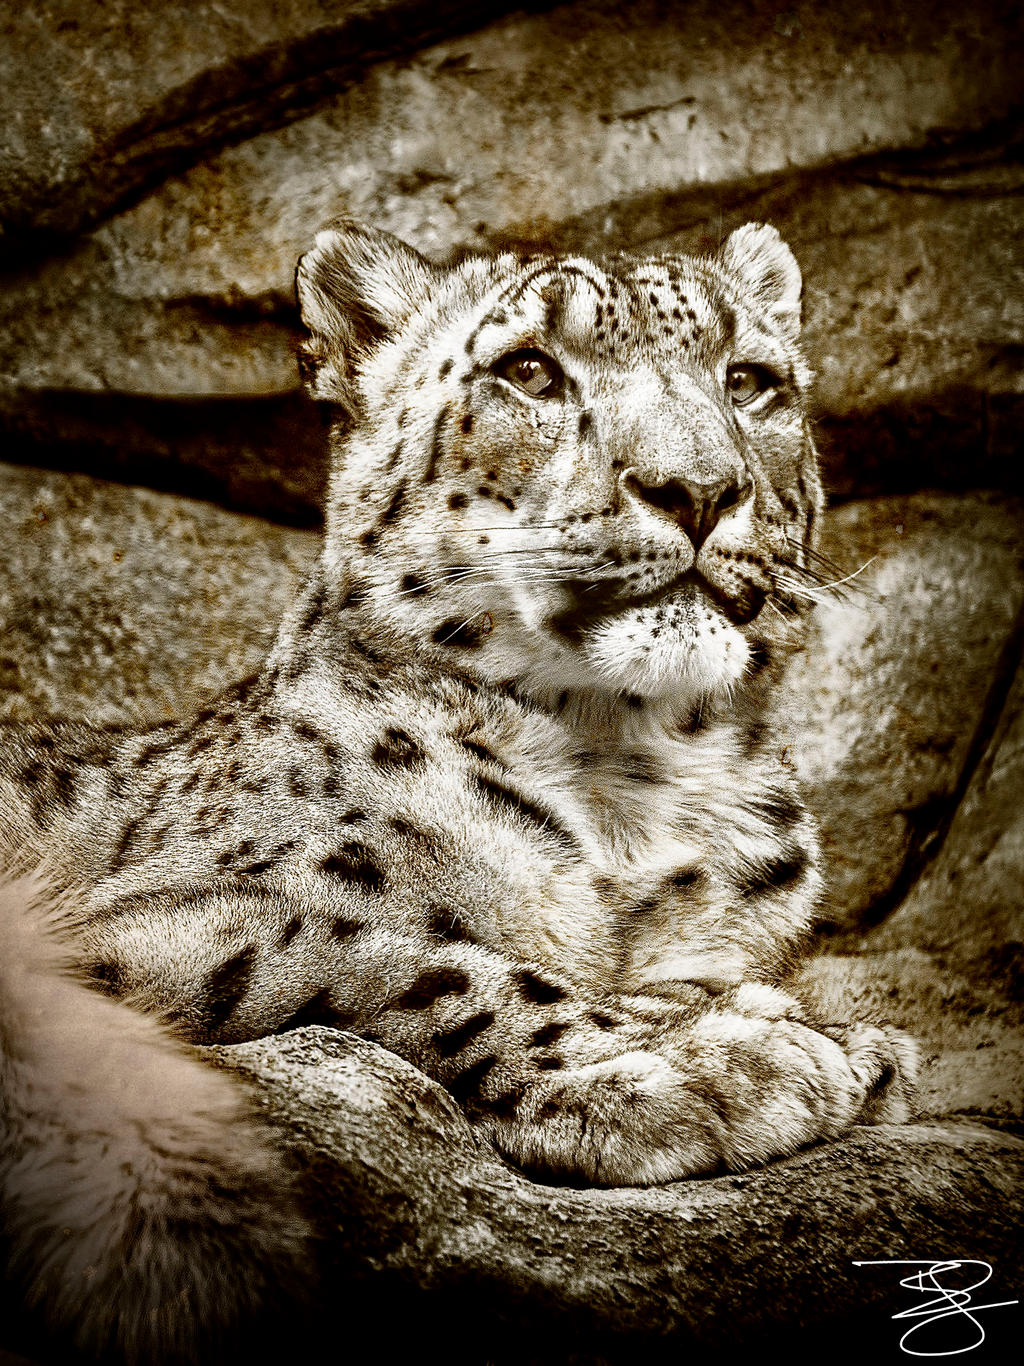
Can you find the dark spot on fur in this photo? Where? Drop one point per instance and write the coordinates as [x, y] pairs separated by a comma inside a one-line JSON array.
[[355, 863], [512, 801], [754, 737], [549, 1064], [411, 832], [504, 1106], [414, 585], [128, 835], [436, 445], [226, 985], [538, 990], [397, 749], [466, 1086], [317, 1011], [547, 1034], [641, 768], [774, 874], [467, 635], [782, 809], [684, 878], [467, 423], [452, 1041], [445, 368], [105, 976], [355, 595], [431, 985], [290, 931], [448, 925], [344, 927], [458, 500], [759, 659], [603, 1021], [646, 905], [394, 508], [692, 721], [367, 651], [884, 1079], [481, 751]]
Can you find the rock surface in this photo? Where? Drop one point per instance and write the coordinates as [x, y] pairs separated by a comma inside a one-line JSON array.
[[98, 100], [120, 602], [400, 1174], [901, 678]]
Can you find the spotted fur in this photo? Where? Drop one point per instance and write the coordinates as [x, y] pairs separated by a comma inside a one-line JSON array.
[[506, 795]]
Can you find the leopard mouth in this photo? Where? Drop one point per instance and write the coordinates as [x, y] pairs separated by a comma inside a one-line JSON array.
[[590, 603]]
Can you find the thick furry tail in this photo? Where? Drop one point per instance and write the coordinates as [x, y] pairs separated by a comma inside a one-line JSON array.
[[147, 1215]]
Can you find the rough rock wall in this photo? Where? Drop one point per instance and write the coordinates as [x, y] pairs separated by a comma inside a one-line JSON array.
[[162, 166]]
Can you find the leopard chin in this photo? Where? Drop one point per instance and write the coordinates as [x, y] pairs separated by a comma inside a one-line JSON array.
[[682, 647], [681, 641]]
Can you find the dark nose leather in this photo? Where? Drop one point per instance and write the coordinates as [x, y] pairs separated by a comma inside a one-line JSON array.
[[697, 507]]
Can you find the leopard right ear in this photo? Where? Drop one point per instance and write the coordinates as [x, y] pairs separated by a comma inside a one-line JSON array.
[[355, 286], [767, 270]]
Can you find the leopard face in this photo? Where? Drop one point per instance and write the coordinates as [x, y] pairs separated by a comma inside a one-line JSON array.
[[555, 468]]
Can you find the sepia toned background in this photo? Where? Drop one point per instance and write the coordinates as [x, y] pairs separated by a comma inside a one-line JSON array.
[[162, 165]]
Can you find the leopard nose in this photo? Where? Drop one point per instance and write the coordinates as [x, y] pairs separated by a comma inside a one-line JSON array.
[[697, 507]]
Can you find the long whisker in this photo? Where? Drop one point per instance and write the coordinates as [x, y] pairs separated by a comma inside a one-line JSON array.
[[508, 526], [815, 580], [838, 583], [532, 573], [455, 631]]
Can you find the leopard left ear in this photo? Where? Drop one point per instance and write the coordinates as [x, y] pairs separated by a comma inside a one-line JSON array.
[[767, 270], [355, 287]]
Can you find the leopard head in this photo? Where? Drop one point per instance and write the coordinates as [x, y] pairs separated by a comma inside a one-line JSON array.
[[567, 472]]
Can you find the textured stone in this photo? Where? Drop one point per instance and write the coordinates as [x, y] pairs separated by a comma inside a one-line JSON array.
[[121, 602], [966, 904], [883, 709], [408, 1192], [98, 100]]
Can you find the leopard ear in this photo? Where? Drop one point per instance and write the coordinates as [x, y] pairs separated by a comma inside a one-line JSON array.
[[355, 286], [766, 268]]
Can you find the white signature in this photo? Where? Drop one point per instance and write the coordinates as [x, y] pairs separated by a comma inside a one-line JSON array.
[[951, 1301]]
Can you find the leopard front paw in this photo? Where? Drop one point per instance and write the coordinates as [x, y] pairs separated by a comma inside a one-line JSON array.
[[885, 1061]]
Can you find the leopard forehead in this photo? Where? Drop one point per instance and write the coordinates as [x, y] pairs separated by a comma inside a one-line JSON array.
[[674, 314]]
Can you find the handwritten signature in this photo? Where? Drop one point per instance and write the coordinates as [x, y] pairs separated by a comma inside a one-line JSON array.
[[950, 1301]]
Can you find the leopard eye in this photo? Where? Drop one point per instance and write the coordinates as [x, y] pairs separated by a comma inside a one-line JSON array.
[[533, 372], [743, 383]]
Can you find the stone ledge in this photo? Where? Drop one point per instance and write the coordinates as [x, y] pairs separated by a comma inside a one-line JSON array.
[[409, 1192]]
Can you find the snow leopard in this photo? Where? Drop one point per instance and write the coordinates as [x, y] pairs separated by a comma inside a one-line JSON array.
[[506, 796]]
